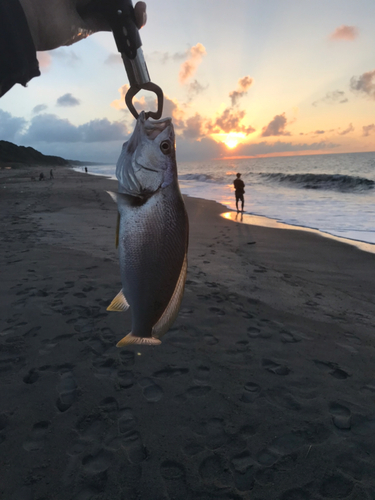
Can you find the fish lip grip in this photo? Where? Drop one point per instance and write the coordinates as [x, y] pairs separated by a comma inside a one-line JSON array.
[[121, 18]]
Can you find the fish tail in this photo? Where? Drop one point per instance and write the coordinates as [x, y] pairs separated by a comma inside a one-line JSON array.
[[133, 339]]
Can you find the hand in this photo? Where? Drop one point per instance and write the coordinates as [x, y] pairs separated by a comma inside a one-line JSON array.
[[54, 23]]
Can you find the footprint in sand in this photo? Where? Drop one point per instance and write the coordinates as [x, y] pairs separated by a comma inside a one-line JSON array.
[[214, 472], [127, 357], [174, 476], [67, 388], [273, 367], [332, 368], [243, 470], [281, 397], [151, 391], [251, 392], [202, 375], [216, 437], [31, 377], [37, 436], [254, 332], [171, 371], [336, 485], [130, 438], [99, 462], [341, 416]]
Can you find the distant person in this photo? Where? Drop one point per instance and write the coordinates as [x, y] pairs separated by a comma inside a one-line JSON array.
[[86, 170], [41, 176], [51, 174], [239, 187]]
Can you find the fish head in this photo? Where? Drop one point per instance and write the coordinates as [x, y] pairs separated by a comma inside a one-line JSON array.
[[148, 160]]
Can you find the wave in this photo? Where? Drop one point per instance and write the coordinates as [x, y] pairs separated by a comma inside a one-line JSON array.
[[200, 178], [334, 182]]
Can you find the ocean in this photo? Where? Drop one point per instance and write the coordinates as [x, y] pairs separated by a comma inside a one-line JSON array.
[[334, 194]]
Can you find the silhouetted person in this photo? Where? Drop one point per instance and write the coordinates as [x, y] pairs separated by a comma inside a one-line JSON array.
[[41, 176], [239, 186], [51, 174], [86, 170]]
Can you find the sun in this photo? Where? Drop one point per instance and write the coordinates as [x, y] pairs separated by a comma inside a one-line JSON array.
[[231, 143]]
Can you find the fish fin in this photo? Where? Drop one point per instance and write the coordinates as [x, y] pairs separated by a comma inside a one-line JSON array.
[[113, 195], [117, 229], [132, 339], [169, 315], [119, 303], [128, 200]]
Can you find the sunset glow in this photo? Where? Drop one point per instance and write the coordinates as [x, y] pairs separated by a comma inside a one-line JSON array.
[[308, 88]]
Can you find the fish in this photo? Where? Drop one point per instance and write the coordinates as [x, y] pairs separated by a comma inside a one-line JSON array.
[[153, 232]]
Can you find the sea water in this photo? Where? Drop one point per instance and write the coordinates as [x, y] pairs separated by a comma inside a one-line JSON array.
[[334, 194]]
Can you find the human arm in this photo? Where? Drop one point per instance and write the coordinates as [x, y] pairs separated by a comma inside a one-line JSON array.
[[30, 25], [54, 23]]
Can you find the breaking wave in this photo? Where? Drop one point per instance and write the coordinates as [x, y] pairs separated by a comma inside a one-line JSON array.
[[200, 178], [334, 182]]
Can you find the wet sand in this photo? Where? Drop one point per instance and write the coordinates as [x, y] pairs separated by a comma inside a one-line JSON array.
[[263, 389]]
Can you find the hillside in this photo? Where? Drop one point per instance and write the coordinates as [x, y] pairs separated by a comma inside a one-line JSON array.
[[11, 153]]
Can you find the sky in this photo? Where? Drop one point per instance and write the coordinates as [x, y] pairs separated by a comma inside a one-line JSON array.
[[240, 79]]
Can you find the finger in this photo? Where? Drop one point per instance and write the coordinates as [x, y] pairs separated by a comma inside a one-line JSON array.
[[140, 14]]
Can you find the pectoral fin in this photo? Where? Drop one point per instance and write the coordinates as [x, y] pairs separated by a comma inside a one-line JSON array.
[[119, 303], [169, 315]]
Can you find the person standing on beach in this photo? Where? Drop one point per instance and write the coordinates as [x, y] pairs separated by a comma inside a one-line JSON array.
[[239, 187], [51, 174]]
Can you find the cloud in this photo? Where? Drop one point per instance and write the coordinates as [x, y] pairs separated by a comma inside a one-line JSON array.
[[349, 129], [280, 147], [66, 55], [67, 100], [193, 150], [335, 96], [50, 128], [276, 126], [39, 108], [10, 126], [318, 132], [368, 129], [102, 130], [230, 121], [365, 84], [242, 87], [193, 127], [165, 57], [189, 67], [195, 88], [344, 32]]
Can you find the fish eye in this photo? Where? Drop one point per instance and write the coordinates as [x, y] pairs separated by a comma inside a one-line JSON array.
[[166, 147]]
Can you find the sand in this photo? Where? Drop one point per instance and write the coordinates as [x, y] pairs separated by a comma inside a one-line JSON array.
[[263, 389]]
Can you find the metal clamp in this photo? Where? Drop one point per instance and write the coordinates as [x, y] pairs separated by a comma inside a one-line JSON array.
[[152, 87]]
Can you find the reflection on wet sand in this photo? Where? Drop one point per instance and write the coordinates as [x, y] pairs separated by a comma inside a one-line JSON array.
[[257, 220]]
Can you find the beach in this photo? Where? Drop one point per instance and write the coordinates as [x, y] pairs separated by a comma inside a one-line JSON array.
[[263, 388]]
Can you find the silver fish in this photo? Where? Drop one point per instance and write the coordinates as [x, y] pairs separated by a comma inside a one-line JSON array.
[[153, 232]]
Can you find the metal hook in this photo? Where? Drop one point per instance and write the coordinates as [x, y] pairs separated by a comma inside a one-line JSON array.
[[152, 87]]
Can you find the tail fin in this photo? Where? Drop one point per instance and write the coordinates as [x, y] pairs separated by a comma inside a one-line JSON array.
[[132, 339]]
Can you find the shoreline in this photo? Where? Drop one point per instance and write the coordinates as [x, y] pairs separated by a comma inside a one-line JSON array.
[[261, 390], [262, 220]]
